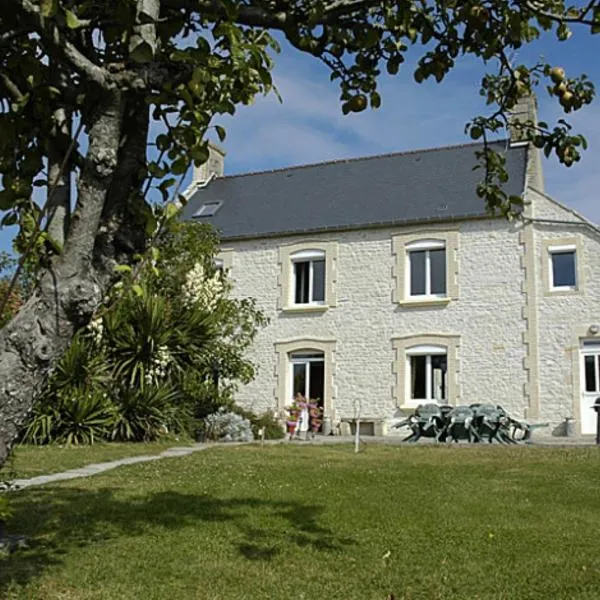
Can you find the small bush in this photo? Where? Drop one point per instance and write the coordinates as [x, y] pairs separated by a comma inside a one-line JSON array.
[[227, 426], [146, 413], [266, 421], [77, 418]]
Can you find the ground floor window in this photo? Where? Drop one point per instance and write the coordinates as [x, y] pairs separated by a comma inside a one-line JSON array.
[[308, 375], [427, 367]]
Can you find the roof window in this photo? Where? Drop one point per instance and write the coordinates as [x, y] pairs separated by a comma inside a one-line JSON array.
[[208, 209]]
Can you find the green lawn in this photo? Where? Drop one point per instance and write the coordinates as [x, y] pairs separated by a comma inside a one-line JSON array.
[[318, 522], [30, 461]]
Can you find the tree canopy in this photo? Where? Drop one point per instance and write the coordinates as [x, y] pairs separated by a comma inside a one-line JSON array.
[[81, 81]]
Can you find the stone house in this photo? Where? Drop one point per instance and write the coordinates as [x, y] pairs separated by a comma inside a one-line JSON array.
[[387, 285]]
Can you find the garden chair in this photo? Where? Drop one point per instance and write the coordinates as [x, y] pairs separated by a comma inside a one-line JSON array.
[[460, 424], [490, 421], [427, 421]]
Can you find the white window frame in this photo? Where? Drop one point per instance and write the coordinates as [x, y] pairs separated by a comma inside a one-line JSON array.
[[552, 250], [426, 245], [428, 351], [309, 256], [304, 360]]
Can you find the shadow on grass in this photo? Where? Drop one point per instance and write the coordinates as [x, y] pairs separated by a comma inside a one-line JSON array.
[[56, 520]]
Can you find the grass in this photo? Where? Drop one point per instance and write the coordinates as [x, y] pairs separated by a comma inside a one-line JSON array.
[[30, 461], [318, 522]]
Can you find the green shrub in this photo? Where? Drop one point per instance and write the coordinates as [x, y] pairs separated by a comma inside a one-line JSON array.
[[146, 413], [72, 417], [167, 346], [267, 421]]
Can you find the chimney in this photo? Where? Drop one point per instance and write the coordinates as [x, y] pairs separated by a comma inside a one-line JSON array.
[[526, 110], [213, 167]]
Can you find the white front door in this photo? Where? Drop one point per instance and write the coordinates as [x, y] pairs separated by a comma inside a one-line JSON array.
[[590, 385]]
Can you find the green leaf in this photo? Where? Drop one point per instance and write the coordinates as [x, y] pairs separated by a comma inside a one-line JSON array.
[[220, 132], [137, 290], [375, 100], [72, 20], [171, 210], [122, 269], [142, 53], [48, 8], [8, 219]]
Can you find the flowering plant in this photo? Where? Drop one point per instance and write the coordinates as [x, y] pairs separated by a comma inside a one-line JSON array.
[[316, 416], [295, 408], [300, 403]]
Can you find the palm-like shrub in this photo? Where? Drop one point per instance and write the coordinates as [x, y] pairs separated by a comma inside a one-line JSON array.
[[166, 343], [74, 408], [76, 417], [146, 413]]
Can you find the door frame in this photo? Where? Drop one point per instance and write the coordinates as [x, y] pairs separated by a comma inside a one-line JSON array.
[[583, 352], [284, 349], [305, 361]]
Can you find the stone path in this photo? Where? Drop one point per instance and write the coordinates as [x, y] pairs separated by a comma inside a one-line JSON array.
[[105, 466]]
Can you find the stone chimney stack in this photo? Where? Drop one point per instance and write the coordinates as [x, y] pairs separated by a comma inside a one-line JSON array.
[[213, 167], [526, 110]]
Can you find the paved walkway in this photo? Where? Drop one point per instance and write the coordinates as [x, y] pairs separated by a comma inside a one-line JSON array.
[[94, 469]]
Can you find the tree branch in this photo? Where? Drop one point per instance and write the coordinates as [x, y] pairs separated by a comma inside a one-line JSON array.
[[564, 18], [59, 43]]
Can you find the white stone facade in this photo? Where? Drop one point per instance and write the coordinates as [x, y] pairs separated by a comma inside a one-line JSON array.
[[511, 342]]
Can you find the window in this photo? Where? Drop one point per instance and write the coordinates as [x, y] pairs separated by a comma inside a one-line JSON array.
[[208, 209], [307, 276], [309, 280], [425, 266], [563, 268], [306, 366], [308, 375], [428, 367], [426, 269]]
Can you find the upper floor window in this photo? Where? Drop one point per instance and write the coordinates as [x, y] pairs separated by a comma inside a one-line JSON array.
[[563, 268], [309, 277], [426, 268]]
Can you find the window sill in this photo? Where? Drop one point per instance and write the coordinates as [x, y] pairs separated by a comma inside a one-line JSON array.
[[412, 404], [563, 292], [308, 308], [424, 302]]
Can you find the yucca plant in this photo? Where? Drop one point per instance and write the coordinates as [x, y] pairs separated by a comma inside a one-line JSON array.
[[83, 366], [145, 413], [84, 418], [42, 425]]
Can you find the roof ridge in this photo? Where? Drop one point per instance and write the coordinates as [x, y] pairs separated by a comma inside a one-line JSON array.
[[364, 158]]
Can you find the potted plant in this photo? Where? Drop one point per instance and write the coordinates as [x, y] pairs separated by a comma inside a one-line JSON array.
[[316, 417], [293, 414]]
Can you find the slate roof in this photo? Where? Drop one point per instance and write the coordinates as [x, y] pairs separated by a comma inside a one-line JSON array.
[[418, 186]]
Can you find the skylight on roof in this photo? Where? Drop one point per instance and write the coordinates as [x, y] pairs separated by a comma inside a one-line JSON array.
[[208, 209]]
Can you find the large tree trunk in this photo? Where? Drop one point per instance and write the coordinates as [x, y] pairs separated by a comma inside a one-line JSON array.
[[69, 291]]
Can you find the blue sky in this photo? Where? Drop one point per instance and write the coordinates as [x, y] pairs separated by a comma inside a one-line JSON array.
[[309, 126]]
